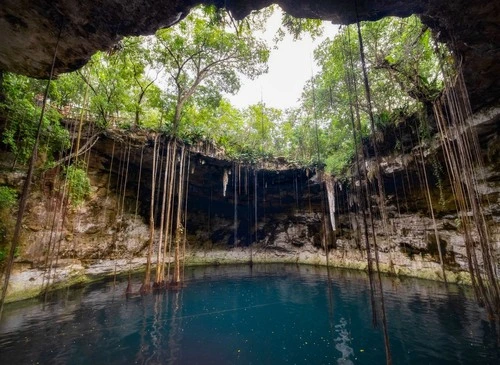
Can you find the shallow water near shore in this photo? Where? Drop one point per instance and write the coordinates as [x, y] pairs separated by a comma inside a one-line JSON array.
[[265, 314]]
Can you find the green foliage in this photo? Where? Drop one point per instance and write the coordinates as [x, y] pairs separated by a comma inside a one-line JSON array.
[[173, 82], [77, 183], [261, 127], [4, 252], [404, 49], [21, 108], [337, 163], [8, 197], [404, 76], [202, 58], [109, 84], [297, 27]]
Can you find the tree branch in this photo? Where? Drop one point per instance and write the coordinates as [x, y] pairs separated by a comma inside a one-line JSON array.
[[87, 146]]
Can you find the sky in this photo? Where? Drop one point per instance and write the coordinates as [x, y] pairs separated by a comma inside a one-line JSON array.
[[290, 66]]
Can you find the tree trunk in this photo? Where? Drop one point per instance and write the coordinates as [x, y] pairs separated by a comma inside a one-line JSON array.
[[177, 119]]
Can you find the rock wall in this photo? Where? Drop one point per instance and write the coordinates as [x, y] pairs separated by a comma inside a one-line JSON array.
[[92, 231], [237, 212]]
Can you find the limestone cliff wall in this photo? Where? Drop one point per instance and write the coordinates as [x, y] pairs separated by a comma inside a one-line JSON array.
[[246, 212]]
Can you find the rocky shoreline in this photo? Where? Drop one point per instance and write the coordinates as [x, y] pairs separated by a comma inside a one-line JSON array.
[[27, 282]]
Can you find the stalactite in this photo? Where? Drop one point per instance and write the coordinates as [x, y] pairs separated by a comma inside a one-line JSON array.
[[324, 208], [225, 181], [330, 191], [341, 201]]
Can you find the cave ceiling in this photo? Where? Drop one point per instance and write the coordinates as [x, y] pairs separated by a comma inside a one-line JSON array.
[[29, 29]]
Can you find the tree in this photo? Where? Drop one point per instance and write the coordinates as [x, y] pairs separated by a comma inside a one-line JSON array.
[[22, 111], [136, 56], [109, 81], [198, 52], [407, 55], [261, 124], [403, 72], [297, 27]]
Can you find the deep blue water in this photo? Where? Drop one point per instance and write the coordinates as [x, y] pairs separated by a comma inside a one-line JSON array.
[[269, 314]]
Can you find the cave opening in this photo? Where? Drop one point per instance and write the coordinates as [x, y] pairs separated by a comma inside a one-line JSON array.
[[408, 189]]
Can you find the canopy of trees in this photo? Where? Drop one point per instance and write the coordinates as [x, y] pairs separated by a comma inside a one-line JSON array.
[[174, 82]]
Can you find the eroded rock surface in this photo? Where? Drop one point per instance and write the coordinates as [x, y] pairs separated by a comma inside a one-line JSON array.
[[278, 208], [269, 212]]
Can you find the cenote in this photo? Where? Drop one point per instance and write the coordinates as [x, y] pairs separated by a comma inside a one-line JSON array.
[[356, 223], [264, 314]]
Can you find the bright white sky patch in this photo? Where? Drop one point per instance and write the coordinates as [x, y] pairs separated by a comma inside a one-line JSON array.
[[290, 66]]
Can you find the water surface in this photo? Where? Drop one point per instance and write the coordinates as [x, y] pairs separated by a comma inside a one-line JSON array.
[[268, 314]]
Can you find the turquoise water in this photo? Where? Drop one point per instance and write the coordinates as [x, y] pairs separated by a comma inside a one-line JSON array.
[[269, 314]]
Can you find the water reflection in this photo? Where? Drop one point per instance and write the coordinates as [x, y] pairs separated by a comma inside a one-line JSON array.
[[342, 343], [268, 314]]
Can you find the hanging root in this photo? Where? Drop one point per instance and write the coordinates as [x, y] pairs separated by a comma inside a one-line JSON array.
[[463, 161]]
